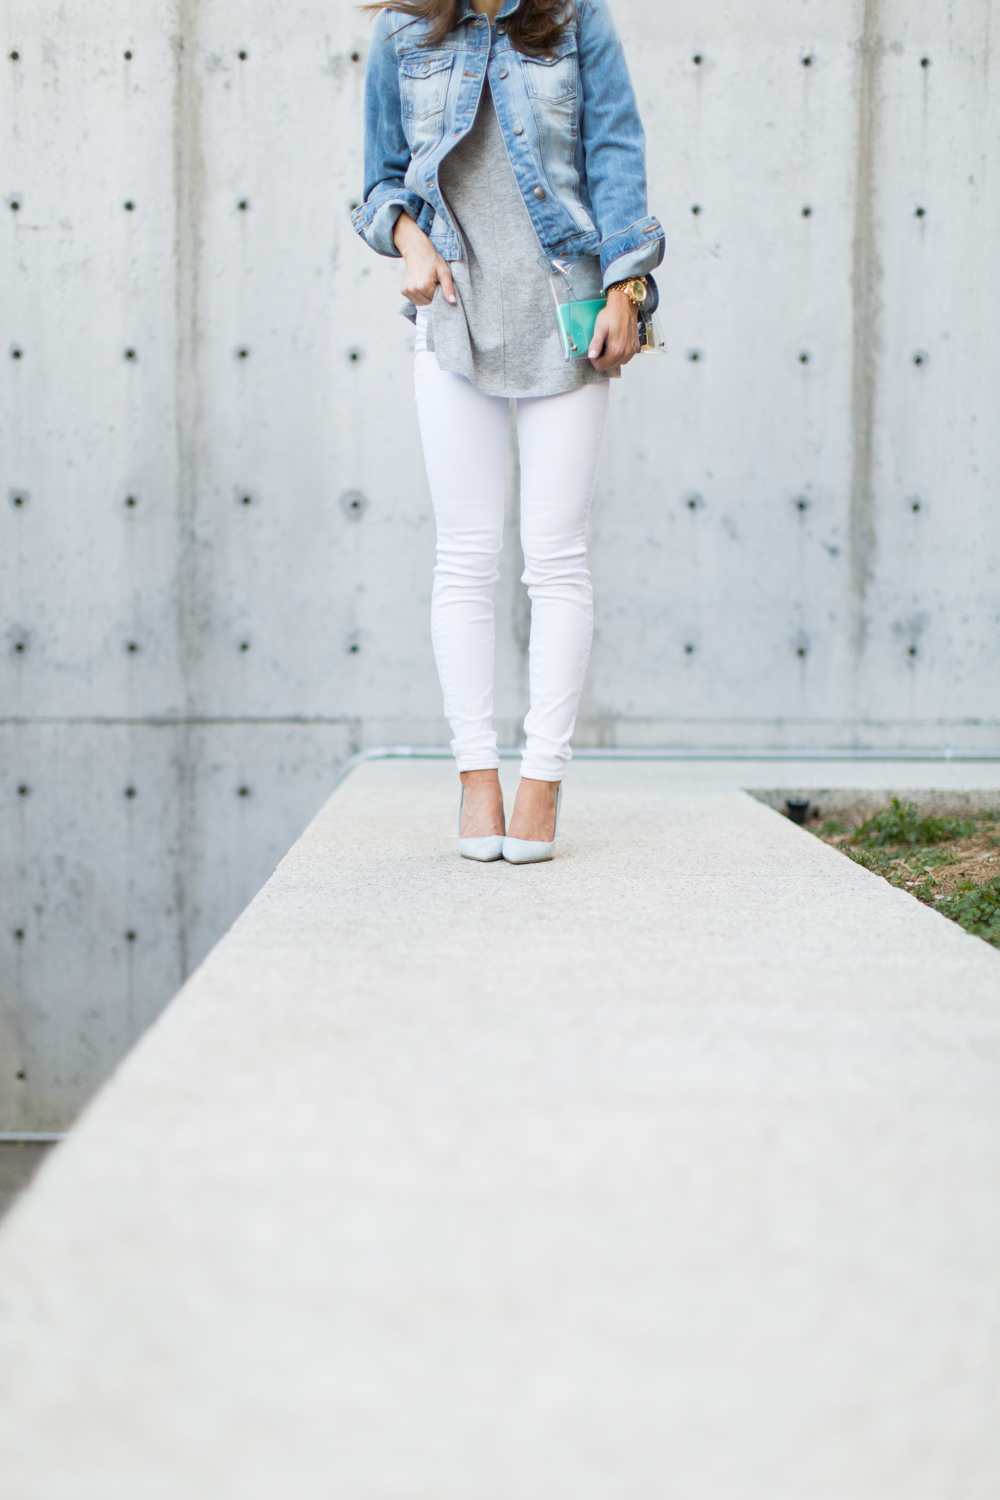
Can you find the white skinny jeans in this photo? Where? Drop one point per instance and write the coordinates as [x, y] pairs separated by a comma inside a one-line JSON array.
[[465, 442]]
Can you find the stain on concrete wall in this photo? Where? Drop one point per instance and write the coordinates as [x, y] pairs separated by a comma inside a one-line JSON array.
[[866, 276], [215, 535]]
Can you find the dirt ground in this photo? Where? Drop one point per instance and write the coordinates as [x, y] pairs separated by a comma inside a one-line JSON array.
[[947, 868]]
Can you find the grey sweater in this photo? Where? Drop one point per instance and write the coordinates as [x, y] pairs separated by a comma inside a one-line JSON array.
[[502, 335]]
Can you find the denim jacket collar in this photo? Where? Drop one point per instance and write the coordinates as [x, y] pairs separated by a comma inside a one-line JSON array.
[[465, 9]]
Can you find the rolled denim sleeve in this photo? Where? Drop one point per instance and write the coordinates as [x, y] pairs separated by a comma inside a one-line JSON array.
[[614, 148], [387, 152]]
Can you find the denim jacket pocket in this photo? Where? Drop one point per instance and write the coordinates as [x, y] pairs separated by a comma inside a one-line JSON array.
[[551, 78], [423, 82]]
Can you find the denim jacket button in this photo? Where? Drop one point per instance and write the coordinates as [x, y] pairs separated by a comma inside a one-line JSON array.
[[518, 129], [539, 192], [503, 72]]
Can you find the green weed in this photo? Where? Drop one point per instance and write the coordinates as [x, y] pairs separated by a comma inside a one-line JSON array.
[[901, 823], [871, 859], [977, 910], [833, 827], [932, 858], [902, 873]]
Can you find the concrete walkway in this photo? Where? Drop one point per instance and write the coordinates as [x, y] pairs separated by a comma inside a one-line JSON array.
[[666, 1171]]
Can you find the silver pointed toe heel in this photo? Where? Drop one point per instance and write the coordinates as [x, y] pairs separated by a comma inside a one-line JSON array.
[[485, 850], [529, 852]]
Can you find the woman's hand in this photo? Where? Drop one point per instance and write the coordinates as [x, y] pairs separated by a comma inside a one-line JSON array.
[[425, 268], [616, 333]]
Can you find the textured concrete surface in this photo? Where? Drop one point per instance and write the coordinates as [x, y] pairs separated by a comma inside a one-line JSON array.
[[667, 1169]]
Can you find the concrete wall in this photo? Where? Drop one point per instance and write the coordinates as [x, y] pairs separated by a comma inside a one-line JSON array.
[[794, 539]]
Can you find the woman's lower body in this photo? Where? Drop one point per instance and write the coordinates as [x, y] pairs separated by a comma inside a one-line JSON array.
[[465, 442]]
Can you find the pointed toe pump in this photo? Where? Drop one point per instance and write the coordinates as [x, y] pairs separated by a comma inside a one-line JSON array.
[[485, 850], [528, 851]]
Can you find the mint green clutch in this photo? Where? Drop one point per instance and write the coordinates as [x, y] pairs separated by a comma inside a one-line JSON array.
[[576, 324], [579, 298]]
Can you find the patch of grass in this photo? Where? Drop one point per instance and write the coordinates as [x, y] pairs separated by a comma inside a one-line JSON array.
[[909, 874], [901, 823], [872, 859], [977, 909], [907, 849], [932, 858]]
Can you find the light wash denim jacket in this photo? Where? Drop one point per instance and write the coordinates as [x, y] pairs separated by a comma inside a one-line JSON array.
[[569, 121]]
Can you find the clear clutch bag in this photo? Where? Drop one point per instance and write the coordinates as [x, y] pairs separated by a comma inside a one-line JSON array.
[[579, 299]]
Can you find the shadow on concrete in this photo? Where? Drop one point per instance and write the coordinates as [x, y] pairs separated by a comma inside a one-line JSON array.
[[19, 1161]]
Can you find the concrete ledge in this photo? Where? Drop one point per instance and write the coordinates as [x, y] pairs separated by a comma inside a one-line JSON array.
[[666, 1169]]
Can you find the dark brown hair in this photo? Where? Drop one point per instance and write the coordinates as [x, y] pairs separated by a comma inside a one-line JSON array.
[[536, 26]]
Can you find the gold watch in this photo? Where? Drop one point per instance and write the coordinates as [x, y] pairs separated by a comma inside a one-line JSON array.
[[634, 288]]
